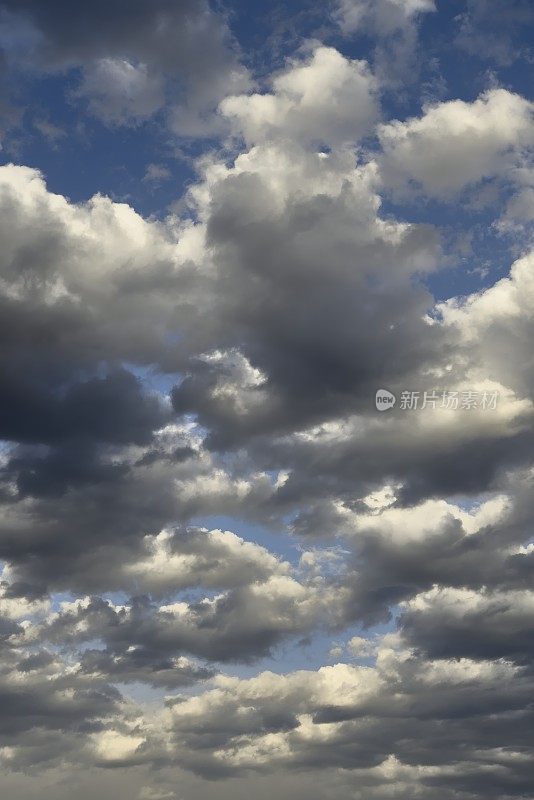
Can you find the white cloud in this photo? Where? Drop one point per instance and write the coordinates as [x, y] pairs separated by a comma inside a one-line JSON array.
[[457, 144], [327, 99], [204, 558], [114, 746], [308, 718]]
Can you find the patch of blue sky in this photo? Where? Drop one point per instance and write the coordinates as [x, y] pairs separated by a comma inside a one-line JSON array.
[[80, 156], [475, 252], [148, 695], [153, 378], [58, 598], [470, 504]]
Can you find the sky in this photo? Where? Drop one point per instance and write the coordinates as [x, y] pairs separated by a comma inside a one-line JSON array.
[[266, 400]]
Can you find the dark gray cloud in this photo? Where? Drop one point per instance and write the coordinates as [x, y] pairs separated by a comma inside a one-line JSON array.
[[113, 409], [394, 554], [100, 28], [135, 57], [411, 724], [38, 693], [239, 625], [306, 324], [141, 665], [450, 623]]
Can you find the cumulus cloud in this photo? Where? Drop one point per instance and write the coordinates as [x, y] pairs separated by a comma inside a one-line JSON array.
[[457, 144], [48, 709], [487, 624], [374, 723], [328, 100], [158, 376], [213, 559], [237, 625]]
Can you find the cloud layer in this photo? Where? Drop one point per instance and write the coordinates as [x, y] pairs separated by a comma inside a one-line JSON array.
[[196, 487]]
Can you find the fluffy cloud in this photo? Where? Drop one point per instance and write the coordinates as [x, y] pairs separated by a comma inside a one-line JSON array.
[[374, 723], [295, 234], [327, 100], [457, 144], [48, 709], [502, 313], [464, 623], [238, 625], [232, 302], [213, 559]]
